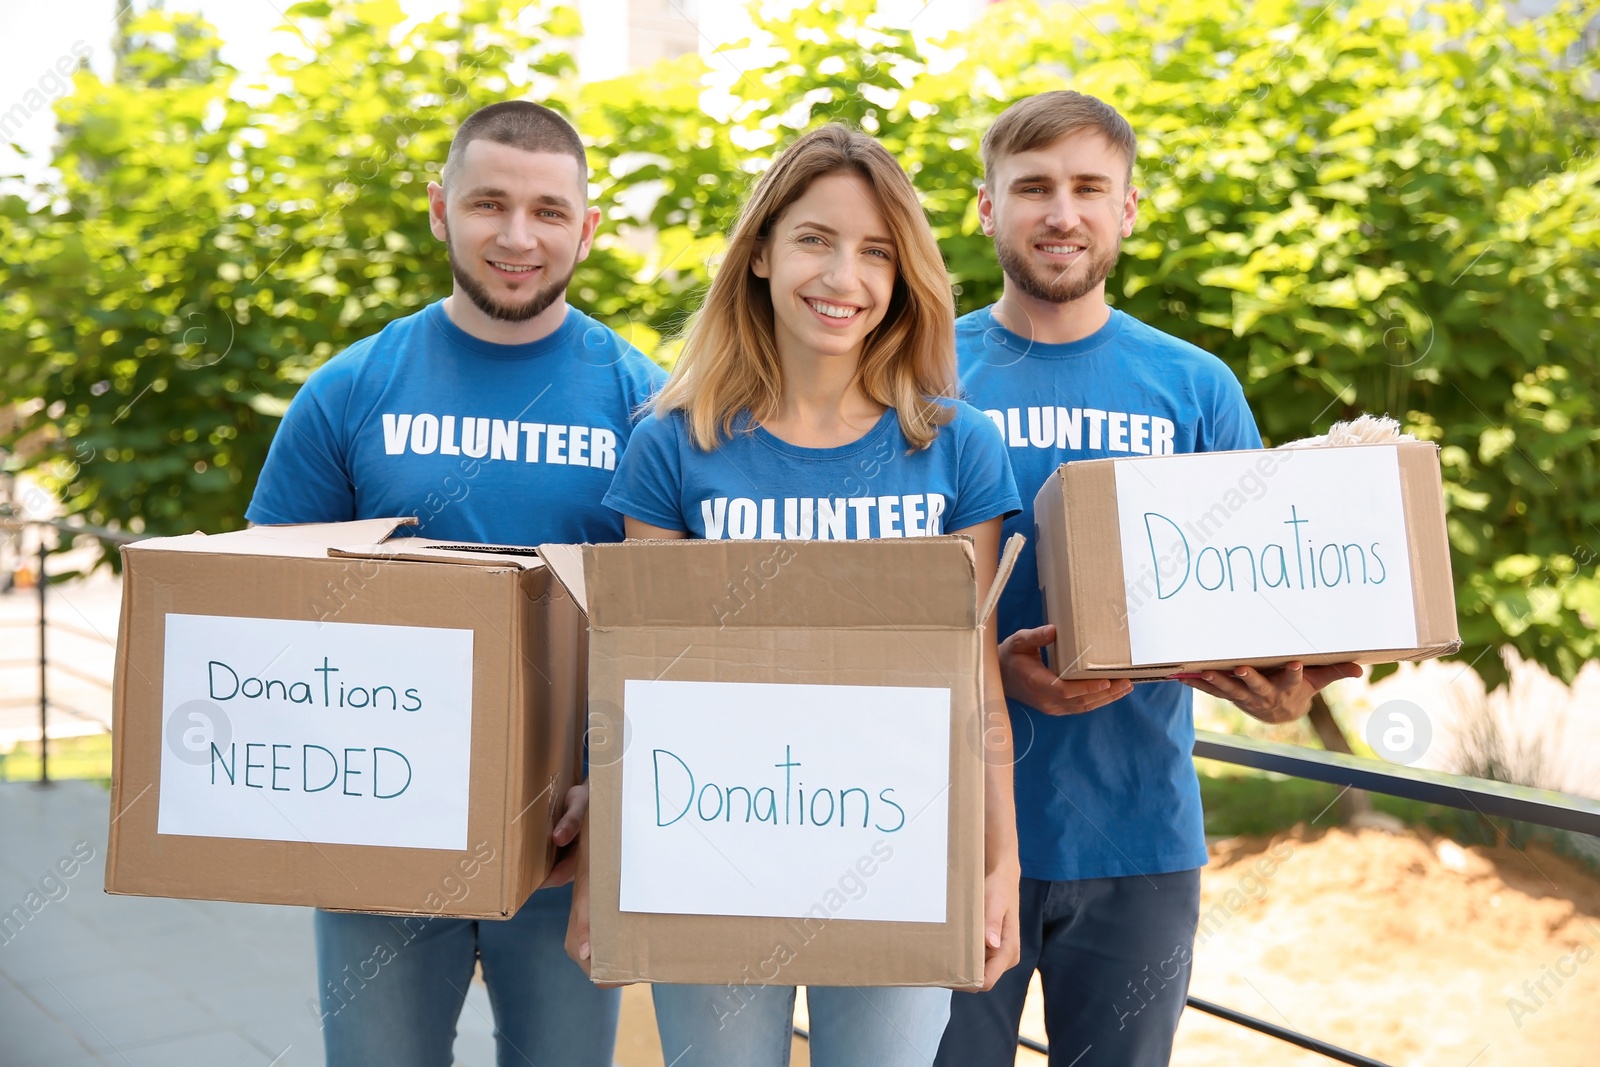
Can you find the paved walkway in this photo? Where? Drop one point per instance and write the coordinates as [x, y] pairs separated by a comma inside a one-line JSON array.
[[87, 978]]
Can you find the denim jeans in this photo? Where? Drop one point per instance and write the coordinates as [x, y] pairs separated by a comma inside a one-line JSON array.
[[751, 1026], [393, 987], [1113, 956]]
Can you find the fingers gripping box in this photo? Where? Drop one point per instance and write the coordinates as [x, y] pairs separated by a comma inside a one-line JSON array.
[[327, 715]]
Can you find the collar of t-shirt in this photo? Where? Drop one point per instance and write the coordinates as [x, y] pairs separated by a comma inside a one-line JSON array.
[[564, 336], [1086, 346], [744, 423]]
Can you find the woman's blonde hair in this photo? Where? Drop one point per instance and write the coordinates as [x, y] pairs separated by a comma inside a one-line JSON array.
[[729, 362]]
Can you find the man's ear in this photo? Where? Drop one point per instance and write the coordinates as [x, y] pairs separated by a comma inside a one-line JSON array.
[[436, 220], [986, 211], [591, 219], [1130, 210]]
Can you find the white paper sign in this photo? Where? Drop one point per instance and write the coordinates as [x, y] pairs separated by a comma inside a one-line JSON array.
[[283, 730], [1240, 555], [826, 801]]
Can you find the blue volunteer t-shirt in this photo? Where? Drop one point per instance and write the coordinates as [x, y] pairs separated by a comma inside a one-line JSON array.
[[756, 486], [482, 442], [1110, 792]]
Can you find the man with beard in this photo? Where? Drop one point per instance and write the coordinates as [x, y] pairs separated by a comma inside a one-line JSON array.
[[495, 415], [1108, 806]]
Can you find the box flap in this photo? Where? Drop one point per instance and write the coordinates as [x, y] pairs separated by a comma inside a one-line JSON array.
[[566, 563], [303, 540], [909, 583], [424, 550], [1002, 575]]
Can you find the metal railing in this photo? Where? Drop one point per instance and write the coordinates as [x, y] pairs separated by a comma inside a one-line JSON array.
[[1560, 811], [66, 533]]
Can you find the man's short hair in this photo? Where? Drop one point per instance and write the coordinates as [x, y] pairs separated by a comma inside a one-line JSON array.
[[1041, 121], [520, 124]]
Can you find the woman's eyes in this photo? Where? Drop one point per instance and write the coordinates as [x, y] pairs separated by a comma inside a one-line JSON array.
[[814, 239]]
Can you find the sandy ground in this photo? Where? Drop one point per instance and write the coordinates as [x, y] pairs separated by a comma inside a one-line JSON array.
[[1401, 947], [1405, 948]]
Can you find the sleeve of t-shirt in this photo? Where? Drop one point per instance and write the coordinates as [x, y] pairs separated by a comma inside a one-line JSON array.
[[986, 489], [1232, 425], [304, 478], [642, 376], [652, 378], [648, 484]]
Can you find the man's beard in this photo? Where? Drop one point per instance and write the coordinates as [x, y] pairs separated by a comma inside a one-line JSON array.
[[479, 294], [1057, 287]]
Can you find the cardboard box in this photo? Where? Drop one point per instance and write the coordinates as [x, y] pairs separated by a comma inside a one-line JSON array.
[[1161, 565], [786, 780], [321, 715]]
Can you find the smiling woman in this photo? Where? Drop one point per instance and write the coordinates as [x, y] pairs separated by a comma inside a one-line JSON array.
[[832, 260], [813, 401]]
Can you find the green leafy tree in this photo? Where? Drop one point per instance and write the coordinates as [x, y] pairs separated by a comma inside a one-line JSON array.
[[209, 244]]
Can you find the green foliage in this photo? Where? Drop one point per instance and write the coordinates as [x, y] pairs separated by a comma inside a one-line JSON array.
[[1360, 207], [211, 243], [69, 757]]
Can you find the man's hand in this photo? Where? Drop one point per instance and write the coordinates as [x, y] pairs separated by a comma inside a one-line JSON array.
[[1027, 679], [1279, 695], [1002, 934], [565, 833]]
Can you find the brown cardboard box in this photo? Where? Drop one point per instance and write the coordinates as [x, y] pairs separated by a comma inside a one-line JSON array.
[[717, 879], [341, 720], [1171, 564]]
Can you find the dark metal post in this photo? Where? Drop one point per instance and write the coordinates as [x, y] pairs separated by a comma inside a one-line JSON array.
[[44, 698]]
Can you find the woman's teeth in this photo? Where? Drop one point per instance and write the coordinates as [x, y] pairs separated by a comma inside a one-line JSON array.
[[833, 311]]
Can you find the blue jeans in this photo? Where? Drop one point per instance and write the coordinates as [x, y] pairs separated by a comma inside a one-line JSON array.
[[750, 1026], [1113, 956], [392, 988]]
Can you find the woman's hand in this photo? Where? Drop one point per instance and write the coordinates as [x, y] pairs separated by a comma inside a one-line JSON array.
[[565, 833], [1002, 908], [577, 944], [578, 918]]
